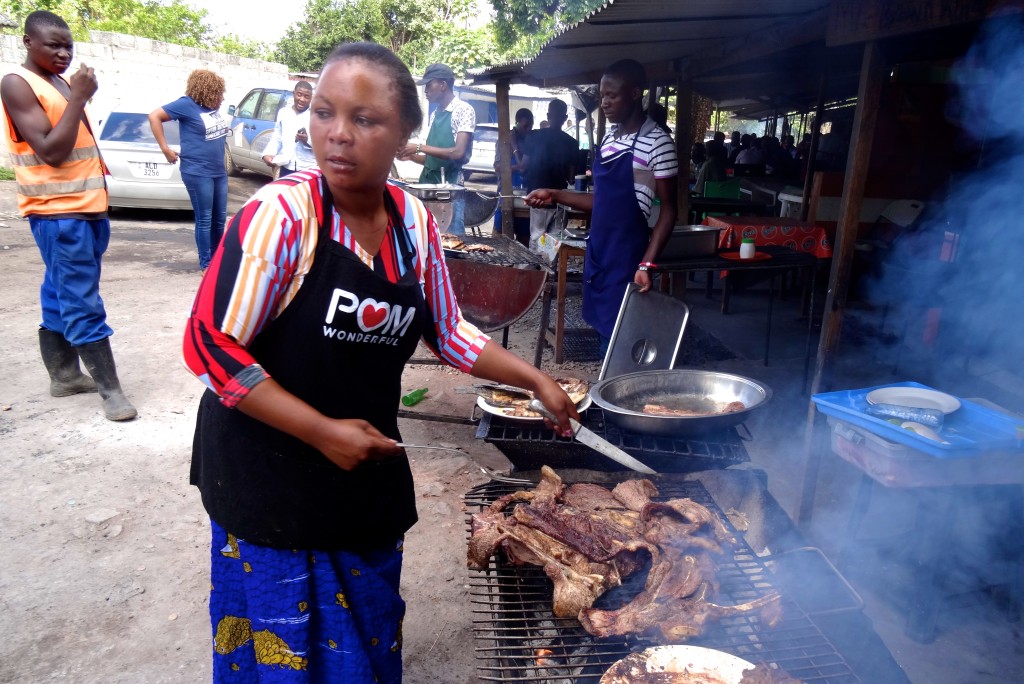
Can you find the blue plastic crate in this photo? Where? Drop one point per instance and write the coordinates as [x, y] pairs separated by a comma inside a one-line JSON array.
[[971, 430]]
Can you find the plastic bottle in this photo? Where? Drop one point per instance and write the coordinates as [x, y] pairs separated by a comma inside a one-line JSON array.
[[414, 397], [747, 248]]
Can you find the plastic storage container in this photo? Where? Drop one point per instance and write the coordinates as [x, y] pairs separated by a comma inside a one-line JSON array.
[[971, 430], [895, 465]]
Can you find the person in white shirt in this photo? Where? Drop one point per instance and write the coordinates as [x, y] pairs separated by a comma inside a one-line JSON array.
[[288, 147]]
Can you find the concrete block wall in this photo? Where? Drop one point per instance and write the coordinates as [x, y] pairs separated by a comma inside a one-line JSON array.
[[147, 73]]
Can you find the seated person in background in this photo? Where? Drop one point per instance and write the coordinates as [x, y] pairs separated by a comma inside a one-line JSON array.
[[753, 154], [777, 160], [659, 115], [698, 155], [714, 168], [789, 145], [744, 144], [550, 162], [734, 144]]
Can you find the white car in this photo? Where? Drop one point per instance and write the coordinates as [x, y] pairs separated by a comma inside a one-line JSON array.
[[485, 143], [139, 173]]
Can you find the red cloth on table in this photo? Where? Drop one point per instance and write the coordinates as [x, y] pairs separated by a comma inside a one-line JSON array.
[[772, 230]]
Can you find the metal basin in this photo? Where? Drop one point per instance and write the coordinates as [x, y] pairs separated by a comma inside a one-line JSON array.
[[623, 398]]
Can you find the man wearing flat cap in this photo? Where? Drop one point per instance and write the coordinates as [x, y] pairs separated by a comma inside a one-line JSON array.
[[449, 138]]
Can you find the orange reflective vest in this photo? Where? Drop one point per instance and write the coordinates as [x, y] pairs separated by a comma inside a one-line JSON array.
[[77, 186]]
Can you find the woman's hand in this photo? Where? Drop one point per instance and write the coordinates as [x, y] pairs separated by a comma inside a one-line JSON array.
[[643, 280], [558, 402], [349, 443], [170, 155]]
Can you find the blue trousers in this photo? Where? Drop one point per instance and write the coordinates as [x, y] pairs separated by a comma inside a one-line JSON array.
[[72, 250], [210, 204], [458, 224]]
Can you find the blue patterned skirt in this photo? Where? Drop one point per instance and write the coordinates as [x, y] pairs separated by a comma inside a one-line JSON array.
[[299, 616]]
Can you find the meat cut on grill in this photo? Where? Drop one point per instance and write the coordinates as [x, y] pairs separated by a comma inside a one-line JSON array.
[[764, 674], [587, 538], [659, 410]]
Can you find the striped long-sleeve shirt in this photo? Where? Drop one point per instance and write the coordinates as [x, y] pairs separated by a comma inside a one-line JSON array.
[[267, 251]]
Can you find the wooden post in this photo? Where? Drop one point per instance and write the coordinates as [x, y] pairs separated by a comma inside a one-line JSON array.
[[819, 112], [507, 227], [684, 142], [872, 79]]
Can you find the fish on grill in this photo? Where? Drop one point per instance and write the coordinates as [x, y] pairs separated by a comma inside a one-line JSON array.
[[587, 538], [763, 674]]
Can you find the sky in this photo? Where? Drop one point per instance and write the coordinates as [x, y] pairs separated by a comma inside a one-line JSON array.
[[265, 20]]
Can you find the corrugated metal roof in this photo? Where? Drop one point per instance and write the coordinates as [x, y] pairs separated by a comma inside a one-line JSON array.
[[703, 39]]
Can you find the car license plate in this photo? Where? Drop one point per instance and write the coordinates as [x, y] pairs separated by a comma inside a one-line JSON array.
[[151, 170]]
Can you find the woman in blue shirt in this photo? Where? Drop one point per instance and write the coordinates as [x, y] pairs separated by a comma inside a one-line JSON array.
[[203, 133]]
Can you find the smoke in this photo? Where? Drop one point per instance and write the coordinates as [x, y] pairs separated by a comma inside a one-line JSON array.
[[954, 279]]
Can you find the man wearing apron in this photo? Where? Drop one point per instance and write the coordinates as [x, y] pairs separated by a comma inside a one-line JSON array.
[[635, 163], [449, 142]]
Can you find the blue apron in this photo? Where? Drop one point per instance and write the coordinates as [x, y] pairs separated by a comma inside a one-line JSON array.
[[619, 235]]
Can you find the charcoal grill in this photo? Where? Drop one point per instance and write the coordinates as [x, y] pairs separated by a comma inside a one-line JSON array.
[[529, 445], [518, 638]]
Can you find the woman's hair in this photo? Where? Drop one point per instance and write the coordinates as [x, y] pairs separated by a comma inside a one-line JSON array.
[[398, 74], [205, 87]]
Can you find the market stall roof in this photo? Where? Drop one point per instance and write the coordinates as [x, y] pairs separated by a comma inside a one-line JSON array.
[[709, 38], [754, 57]]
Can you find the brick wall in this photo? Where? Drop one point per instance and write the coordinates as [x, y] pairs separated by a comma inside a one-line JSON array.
[[149, 73]]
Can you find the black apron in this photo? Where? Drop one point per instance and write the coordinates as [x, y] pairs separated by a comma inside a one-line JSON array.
[[340, 346]]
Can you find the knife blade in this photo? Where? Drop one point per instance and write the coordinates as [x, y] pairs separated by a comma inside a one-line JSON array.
[[595, 441]]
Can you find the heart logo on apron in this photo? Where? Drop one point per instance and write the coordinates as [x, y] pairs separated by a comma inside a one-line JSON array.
[[372, 314]]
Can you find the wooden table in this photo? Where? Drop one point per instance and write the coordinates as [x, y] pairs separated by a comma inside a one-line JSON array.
[[567, 249]]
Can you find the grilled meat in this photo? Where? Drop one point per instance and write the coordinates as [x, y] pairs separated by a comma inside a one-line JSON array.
[[763, 674], [587, 538], [659, 410]]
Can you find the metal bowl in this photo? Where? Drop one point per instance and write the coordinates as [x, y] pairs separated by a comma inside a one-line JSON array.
[[479, 207], [623, 398]]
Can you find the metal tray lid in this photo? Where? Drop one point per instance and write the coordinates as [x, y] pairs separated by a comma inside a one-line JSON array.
[[647, 335]]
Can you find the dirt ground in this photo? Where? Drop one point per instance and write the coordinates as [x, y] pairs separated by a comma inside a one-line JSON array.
[[105, 544]]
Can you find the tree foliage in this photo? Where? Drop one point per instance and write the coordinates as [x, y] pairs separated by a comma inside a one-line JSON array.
[[173, 22], [523, 26], [418, 31]]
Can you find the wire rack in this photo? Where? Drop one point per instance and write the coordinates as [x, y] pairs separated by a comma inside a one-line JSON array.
[[518, 638]]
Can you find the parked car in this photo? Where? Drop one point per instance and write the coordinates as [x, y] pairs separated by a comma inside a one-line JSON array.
[[252, 123], [485, 142], [139, 173]]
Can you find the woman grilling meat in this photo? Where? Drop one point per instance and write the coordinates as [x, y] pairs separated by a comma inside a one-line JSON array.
[[324, 284], [635, 164]]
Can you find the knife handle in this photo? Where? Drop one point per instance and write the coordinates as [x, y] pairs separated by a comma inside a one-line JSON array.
[[536, 405]]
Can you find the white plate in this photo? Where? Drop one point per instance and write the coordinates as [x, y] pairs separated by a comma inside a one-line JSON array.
[[703, 664], [581, 406], [914, 397]]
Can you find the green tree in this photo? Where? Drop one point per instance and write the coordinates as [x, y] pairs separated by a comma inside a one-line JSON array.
[[523, 26], [233, 44], [174, 22], [418, 31]]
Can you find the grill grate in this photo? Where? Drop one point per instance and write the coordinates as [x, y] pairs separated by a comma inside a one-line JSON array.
[[529, 445], [520, 640], [507, 252]]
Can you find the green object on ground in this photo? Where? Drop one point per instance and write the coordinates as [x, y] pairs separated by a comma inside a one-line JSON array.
[[414, 397]]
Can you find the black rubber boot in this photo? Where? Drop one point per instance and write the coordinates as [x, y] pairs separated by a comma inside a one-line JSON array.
[[99, 361], [61, 361]]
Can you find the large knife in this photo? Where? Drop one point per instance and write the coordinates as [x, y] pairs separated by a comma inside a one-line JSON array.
[[594, 441]]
